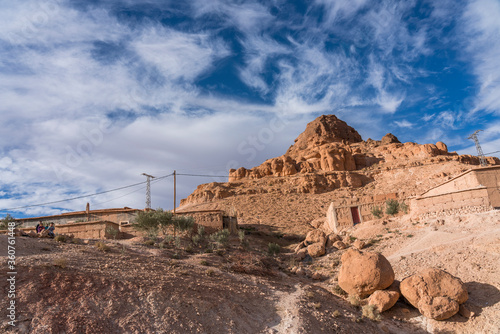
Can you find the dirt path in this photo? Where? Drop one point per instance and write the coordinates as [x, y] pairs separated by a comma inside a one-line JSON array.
[[288, 309]]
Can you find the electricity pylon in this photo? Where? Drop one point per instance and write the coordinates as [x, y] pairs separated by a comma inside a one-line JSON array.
[[148, 190], [478, 148]]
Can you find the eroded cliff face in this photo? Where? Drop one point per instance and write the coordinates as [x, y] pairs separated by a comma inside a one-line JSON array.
[[331, 155]]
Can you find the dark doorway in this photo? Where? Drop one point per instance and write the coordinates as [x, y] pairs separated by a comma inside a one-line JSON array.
[[355, 215]]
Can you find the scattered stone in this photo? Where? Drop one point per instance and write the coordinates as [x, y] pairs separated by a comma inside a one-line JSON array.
[[299, 247], [331, 239], [363, 273], [316, 276], [339, 245], [359, 244], [317, 249], [301, 254], [300, 272], [465, 312], [383, 299], [315, 236], [436, 293]]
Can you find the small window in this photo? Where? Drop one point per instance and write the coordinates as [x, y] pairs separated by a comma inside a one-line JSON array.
[[124, 223]]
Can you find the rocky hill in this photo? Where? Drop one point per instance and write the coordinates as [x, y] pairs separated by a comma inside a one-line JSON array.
[[328, 161]]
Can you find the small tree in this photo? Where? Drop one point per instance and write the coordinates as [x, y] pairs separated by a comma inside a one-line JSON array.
[[183, 223], [377, 211], [164, 219], [391, 207], [112, 232], [4, 223], [147, 221]]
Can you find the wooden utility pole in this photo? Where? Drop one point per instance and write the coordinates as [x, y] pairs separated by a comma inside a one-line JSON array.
[[175, 181]]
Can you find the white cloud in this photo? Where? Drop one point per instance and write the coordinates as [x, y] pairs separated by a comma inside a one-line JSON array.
[[404, 124], [479, 35]]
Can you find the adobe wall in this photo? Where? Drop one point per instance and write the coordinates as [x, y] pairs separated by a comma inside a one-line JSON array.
[[87, 230], [466, 181], [477, 197], [82, 217], [364, 205], [211, 220], [490, 178]]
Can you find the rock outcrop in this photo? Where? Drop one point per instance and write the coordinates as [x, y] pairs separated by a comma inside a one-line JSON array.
[[436, 293], [363, 273]]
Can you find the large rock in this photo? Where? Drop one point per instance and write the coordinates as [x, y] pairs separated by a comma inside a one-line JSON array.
[[436, 293], [390, 139], [331, 239], [383, 299], [363, 273], [316, 250], [315, 236]]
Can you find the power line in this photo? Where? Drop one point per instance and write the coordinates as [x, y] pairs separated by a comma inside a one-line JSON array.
[[82, 196], [201, 175], [491, 152]]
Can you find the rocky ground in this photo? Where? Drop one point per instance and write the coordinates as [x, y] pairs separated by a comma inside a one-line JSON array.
[[136, 288]]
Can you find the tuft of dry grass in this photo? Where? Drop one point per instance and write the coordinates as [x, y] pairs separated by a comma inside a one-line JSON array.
[[102, 246], [61, 262], [339, 291], [371, 312], [354, 300], [60, 238]]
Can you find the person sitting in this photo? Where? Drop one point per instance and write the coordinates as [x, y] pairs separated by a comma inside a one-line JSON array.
[[51, 230], [39, 227]]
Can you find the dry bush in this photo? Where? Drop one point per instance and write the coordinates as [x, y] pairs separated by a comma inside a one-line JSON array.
[[102, 246], [339, 291], [336, 314], [60, 238], [371, 312], [60, 262], [354, 300]]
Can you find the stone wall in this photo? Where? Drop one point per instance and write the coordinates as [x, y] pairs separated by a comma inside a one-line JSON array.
[[87, 230], [477, 197]]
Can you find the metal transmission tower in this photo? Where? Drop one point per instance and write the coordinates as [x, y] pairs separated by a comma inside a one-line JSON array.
[[478, 147], [148, 190]]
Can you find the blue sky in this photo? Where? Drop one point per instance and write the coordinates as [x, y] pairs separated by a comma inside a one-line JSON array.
[[94, 93]]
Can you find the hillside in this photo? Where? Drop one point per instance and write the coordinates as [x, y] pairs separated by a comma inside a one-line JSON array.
[[328, 162]]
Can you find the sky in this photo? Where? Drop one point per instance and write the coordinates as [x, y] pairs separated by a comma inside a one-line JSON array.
[[95, 93]]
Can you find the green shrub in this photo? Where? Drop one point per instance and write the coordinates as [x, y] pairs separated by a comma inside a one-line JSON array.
[[60, 238], [391, 207], [241, 235], [221, 238], [377, 212], [201, 231], [204, 263], [273, 248], [112, 232], [404, 207], [196, 239]]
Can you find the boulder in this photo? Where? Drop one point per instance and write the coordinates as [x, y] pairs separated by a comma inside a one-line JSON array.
[[339, 245], [317, 249], [383, 299], [315, 236], [363, 273], [436, 293], [301, 254], [442, 147], [358, 244], [299, 247], [331, 239]]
